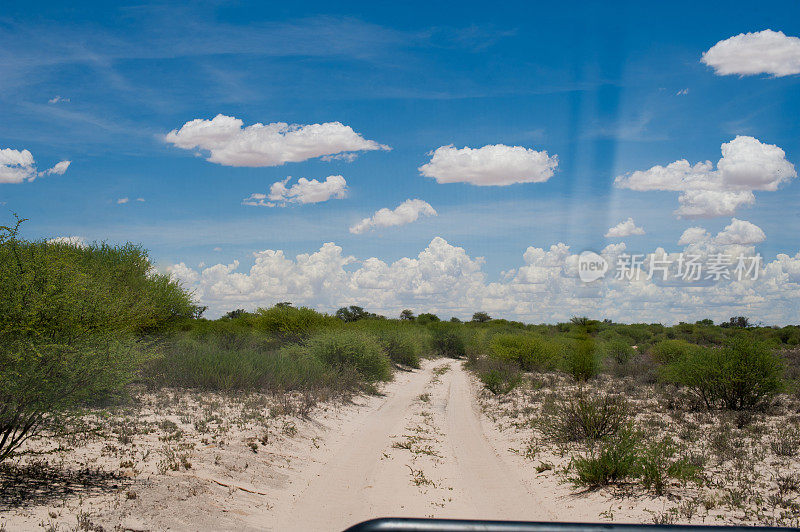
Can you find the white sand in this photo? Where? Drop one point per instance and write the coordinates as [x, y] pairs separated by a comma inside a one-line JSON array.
[[421, 449], [363, 475]]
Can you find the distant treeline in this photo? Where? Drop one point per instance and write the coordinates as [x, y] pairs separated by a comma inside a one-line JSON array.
[[78, 324]]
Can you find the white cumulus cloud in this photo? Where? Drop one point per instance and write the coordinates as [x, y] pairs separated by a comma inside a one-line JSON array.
[[746, 165], [407, 212], [740, 232], [712, 203], [693, 235], [59, 168], [492, 165], [304, 191], [623, 229], [18, 166], [545, 287], [737, 233], [228, 143], [762, 52]]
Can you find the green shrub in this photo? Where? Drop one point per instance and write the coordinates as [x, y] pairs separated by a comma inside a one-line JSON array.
[[614, 459], [582, 417], [70, 319], [618, 350], [477, 345], [212, 360], [669, 351], [352, 349], [403, 341], [742, 375], [654, 463], [427, 318], [402, 344], [581, 360], [499, 377], [658, 462], [447, 340], [627, 456], [529, 352], [291, 324]]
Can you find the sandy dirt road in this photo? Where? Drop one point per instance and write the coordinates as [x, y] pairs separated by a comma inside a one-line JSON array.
[[422, 450]]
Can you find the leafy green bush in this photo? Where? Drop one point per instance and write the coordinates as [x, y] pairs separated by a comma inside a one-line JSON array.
[[581, 360], [401, 342], [447, 340], [618, 350], [499, 377], [741, 375], [404, 341], [582, 416], [627, 456], [613, 460], [291, 324], [477, 343], [352, 349], [70, 318], [530, 352], [669, 351], [427, 318]]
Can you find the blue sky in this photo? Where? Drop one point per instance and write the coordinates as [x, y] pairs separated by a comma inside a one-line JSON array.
[[608, 88]]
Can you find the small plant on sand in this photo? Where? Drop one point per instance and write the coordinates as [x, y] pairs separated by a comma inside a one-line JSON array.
[[785, 441], [500, 378], [612, 460], [418, 477], [581, 417], [657, 463]]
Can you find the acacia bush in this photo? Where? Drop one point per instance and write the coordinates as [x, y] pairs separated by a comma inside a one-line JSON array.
[[345, 349], [403, 341], [477, 344], [291, 324], [617, 350], [447, 339], [71, 325], [670, 351], [743, 374], [403, 345], [581, 359], [530, 352]]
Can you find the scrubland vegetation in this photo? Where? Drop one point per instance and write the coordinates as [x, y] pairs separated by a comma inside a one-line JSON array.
[[706, 414], [704, 417]]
